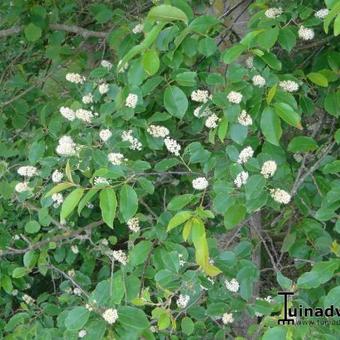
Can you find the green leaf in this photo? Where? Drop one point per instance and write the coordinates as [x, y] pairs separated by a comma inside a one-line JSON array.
[[331, 15], [207, 46], [77, 318], [175, 101], [59, 187], [271, 126], [71, 202], [139, 252], [187, 325], [20, 272], [332, 103], [232, 53], [287, 113], [283, 281], [287, 38], [132, 318], [222, 129], [302, 144], [128, 202], [178, 219], [277, 333], [318, 79], [272, 61], [108, 205], [32, 227], [186, 78], [271, 94], [150, 62], [234, 215], [37, 150], [86, 199], [337, 25], [32, 32], [179, 202], [167, 13], [333, 297], [268, 38]]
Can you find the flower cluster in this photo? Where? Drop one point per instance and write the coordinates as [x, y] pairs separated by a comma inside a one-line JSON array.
[[57, 176], [131, 100], [116, 158], [158, 131], [87, 99], [138, 29], [84, 115], [200, 96], [227, 318], [120, 256], [245, 119], [66, 146], [322, 13], [289, 85], [232, 285], [135, 144], [211, 121], [200, 183], [172, 146], [75, 249], [183, 301], [241, 179], [200, 112], [245, 155], [306, 33], [106, 64], [273, 12], [234, 97], [28, 299], [259, 81], [101, 181], [22, 187], [268, 169], [103, 88], [82, 333], [250, 62], [57, 199], [280, 196], [27, 171], [105, 135], [133, 224], [110, 316], [67, 113], [75, 78]]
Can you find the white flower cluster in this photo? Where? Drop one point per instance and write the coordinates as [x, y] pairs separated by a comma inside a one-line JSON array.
[[74, 249], [280, 196], [131, 100], [84, 115], [259, 81], [289, 85], [245, 155], [103, 88], [273, 12], [133, 224], [227, 318], [57, 176], [82, 333], [200, 96], [28, 299], [71, 273], [211, 121], [232, 285], [135, 144], [67, 113], [183, 301], [105, 135], [27, 171], [57, 199], [22, 187], [181, 261], [200, 183], [66, 146], [241, 179], [106, 64], [120, 256], [77, 291], [250, 62], [234, 97], [87, 99], [138, 29], [110, 316], [101, 181], [268, 169], [75, 78], [172, 146], [306, 33], [322, 13], [245, 119], [200, 112], [116, 158], [158, 131], [122, 68]]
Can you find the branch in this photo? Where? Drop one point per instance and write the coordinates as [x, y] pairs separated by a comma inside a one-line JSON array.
[[58, 27]]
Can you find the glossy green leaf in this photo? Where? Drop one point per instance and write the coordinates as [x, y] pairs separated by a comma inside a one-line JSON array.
[[108, 205]]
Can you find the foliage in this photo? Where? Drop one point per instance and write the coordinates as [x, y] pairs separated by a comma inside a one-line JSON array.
[[197, 176]]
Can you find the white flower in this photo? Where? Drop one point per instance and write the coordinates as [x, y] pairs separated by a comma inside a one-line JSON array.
[[100, 181], [15, 292], [135, 144], [71, 273], [28, 299], [57, 176], [104, 242], [245, 155], [250, 62], [200, 96], [106, 64], [133, 224], [234, 97], [74, 249], [268, 169], [269, 299], [103, 88], [245, 119], [200, 112], [227, 318], [82, 333], [131, 100], [232, 285], [89, 307], [27, 171], [87, 99], [84, 115], [289, 85], [306, 33], [121, 68], [200, 183], [259, 81], [172, 146], [75, 78], [183, 301], [58, 199], [110, 316], [138, 29], [105, 135], [67, 113], [115, 158], [120, 256], [321, 13], [273, 12], [280, 196], [211, 121], [241, 179], [22, 187], [66, 146], [158, 131], [77, 291]]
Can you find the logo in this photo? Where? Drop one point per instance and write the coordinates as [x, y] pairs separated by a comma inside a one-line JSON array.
[[293, 315]]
